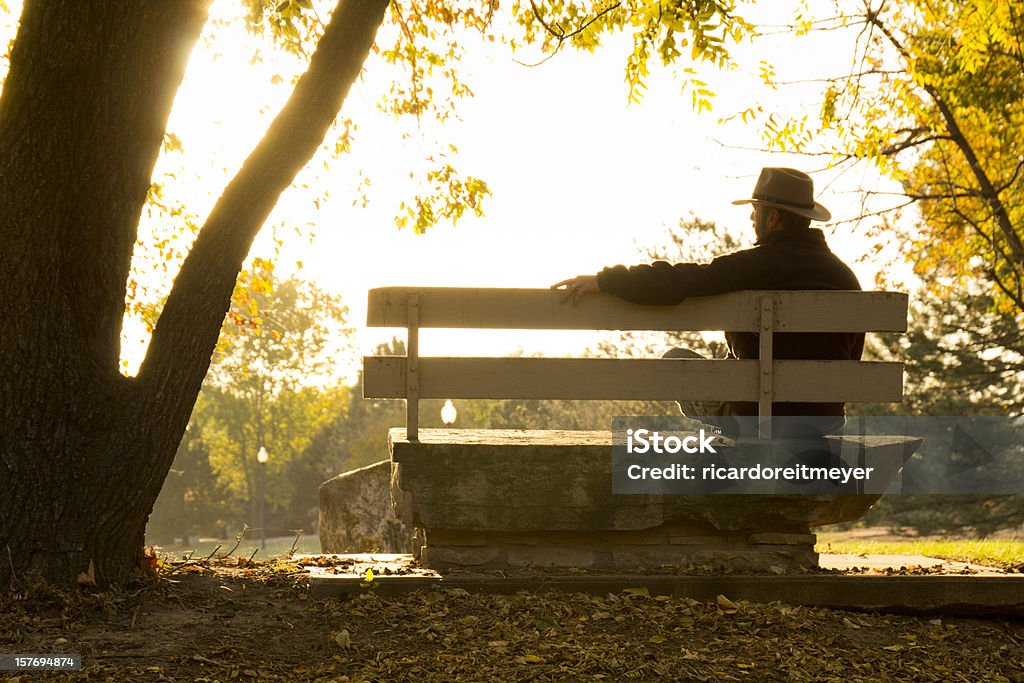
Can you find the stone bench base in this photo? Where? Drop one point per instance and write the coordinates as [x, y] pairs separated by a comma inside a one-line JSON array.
[[670, 545], [513, 498]]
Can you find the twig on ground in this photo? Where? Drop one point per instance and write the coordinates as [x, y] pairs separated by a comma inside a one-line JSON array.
[[10, 561], [190, 563], [295, 543], [200, 658], [238, 539]]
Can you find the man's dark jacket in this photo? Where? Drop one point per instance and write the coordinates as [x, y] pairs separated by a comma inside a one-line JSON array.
[[785, 259]]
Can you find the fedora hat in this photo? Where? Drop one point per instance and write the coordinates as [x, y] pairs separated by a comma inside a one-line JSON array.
[[788, 189]]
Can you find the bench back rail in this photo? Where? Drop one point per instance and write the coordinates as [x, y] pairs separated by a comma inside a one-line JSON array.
[[765, 380]]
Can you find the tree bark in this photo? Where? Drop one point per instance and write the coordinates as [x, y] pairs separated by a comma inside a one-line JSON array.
[[83, 450], [77, 149]]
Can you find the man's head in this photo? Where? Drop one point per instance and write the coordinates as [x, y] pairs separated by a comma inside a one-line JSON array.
[[768, 219], [783, 199]]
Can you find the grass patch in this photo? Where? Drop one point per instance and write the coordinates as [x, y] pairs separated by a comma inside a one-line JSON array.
[[990, 551]]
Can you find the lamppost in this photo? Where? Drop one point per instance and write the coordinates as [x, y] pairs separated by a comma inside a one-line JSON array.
[[261, 457], [448, 413]]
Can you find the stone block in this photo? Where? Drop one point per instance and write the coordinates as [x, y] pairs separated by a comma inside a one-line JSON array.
[[782, 539], [546, 537], [758, 560], [552, 556], [715, 540], [356, 513], [455, 537], [632, 557], [518, 480], [440, 556]]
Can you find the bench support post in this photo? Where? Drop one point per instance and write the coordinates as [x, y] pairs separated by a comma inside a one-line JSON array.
[[765, 392], [412, 369]]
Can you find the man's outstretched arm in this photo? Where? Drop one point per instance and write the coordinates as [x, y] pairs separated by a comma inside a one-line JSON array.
[[662, 283]]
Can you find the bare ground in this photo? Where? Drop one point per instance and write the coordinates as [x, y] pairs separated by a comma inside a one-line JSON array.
[[235, 620]]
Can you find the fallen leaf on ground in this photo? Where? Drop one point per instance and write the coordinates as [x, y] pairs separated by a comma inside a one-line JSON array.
[[87, 578], [343, 639], [727, 605]]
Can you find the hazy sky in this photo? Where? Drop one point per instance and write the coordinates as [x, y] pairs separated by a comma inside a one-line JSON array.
[[580, 180]]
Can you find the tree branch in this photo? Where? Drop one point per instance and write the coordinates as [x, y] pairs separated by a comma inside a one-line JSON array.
[[910, 142], [536, 15], [1013, 178], [187, 331], [933, 196], [872, 214], [838, 79], [559, 33], [988, 191], [1014, 296]]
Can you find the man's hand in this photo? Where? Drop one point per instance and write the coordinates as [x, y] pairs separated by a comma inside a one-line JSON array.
[[577, 287]]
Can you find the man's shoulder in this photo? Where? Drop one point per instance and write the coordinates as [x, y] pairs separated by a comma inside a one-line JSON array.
[[756, 251]]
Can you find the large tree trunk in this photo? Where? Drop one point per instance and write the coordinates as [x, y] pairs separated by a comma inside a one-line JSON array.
[[83, 450]]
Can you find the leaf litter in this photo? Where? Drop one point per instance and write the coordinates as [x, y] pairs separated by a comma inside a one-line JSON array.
[[240, 621]]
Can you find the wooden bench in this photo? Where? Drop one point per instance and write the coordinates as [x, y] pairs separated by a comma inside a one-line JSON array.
[[516, 498]]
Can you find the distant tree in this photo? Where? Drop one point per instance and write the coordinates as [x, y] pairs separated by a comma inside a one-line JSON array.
[[960, 358], [552, 414], [292, 418], [358, 434], [262, 390], [192, 501], [323, 457]]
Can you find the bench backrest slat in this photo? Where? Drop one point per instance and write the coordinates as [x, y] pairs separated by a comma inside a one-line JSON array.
[[542, 309], [763, 381], [634, 379]]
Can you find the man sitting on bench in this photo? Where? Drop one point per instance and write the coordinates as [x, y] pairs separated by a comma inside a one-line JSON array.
[[788, 255]]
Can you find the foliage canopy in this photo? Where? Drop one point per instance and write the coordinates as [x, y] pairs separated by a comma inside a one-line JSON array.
[[934, 99]]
